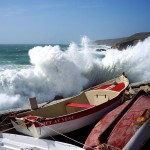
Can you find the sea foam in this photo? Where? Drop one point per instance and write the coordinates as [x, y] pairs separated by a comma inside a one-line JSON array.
[[54, 71]]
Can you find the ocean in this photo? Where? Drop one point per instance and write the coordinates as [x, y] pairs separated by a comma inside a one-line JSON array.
[[49, 70]]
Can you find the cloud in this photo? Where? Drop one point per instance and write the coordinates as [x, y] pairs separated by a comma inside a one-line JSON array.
[[9, 12], [91, 6], [49, 6]]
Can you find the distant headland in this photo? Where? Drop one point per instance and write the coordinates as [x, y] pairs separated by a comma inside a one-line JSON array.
[[122, 43]]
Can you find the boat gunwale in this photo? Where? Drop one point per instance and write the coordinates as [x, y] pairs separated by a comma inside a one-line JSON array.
[[75, 115]]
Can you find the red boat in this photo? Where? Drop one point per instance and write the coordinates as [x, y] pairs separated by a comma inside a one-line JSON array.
[[126, 127]]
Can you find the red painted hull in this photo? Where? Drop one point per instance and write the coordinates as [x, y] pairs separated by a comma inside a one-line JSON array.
[[102, 125], [122, 125], [126, 127]]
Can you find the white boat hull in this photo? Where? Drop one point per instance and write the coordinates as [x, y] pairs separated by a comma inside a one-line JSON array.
[[19, 142], [67, 126]]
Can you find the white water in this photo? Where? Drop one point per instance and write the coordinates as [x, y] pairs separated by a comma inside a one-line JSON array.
[[56, 72]]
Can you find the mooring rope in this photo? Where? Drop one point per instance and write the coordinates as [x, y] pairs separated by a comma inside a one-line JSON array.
[[4, 120], [64, 135], [5, 124], [11, 127], [61, 133]]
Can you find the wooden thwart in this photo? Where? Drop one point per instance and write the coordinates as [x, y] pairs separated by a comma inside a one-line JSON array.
[[80, 105]]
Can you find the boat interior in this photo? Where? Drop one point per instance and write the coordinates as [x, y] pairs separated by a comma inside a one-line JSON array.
[[85, 100], [98, 95]]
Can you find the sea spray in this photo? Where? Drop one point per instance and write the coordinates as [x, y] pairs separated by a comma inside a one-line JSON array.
[[57, 71], [134, 61], [54, 71]]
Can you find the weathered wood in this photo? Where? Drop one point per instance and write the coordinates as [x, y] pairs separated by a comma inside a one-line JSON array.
[[33, 103]]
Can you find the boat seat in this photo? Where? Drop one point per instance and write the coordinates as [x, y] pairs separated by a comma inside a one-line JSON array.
[[30, 117], [80, 105]]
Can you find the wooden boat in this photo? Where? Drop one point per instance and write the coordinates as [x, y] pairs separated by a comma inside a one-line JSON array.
[[19, 142], [126, 127], [73, 113]]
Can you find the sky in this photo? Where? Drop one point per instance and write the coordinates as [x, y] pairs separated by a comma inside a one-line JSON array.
[[65, 21]]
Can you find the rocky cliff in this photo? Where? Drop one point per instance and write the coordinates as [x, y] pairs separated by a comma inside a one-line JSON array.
[[122, 43]]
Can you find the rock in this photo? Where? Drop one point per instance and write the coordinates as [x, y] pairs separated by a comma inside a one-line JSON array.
[[100, 50], [123, 43], [57, 97], [131, 91], [131, 40], [146, 88]]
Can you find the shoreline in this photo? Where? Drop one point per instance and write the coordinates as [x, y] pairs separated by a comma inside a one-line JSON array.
[[129, 94], [145, 85]]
